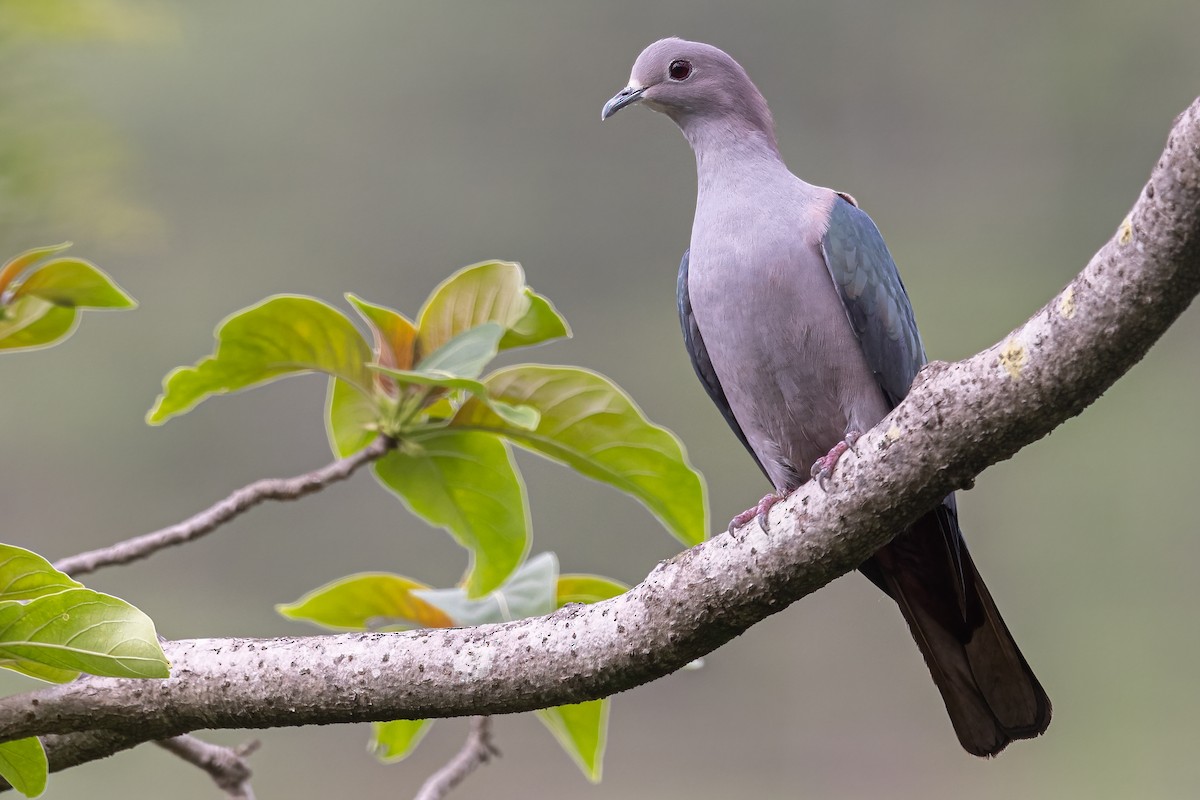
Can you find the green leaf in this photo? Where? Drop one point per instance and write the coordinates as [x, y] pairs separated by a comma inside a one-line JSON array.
[[395, 335], [83, 631], [74, 282], [529, 592], [467, 483], [466, 354], [351, 418], [367, 601], [582, 730], [282, 335], [32, 322], [540, 323], [42, 672], [25, 575], [22, 261], [591, 425], [493, 291], [394, 741], [587, 589], [23, 764]]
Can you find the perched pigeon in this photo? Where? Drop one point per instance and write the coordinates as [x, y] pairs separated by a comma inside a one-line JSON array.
[[802, 333]]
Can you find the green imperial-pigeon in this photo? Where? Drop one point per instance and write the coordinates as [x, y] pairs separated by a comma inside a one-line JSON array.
[[801, 331]]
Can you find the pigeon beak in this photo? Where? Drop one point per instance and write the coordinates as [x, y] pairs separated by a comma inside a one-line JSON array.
[[627, 96]]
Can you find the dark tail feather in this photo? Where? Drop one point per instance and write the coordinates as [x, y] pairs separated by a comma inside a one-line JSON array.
[[990, 692]]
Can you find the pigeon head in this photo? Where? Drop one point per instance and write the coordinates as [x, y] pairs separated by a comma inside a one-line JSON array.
[[696, 85]]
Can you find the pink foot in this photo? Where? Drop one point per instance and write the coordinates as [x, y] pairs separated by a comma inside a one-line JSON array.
[[758, 512], [823, 468]]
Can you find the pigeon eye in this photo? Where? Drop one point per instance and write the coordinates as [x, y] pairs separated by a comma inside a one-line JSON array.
[[680, 70]]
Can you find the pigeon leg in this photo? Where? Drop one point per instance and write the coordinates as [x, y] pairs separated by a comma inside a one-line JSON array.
[[758, 512], [823, 468]]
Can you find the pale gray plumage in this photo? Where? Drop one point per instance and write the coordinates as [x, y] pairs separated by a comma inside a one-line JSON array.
[[801, 331]]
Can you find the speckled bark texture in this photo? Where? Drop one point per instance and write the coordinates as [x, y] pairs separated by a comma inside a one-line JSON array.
[[959, 419]]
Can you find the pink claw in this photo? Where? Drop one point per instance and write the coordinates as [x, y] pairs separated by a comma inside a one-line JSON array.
[[758, 512], [822, 470]]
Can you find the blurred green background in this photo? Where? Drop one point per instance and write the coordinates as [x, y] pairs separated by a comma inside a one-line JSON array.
[[210, 154]]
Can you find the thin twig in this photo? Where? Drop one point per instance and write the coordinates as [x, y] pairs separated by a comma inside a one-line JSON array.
[[225, 765], [475, 752], [216, 515]]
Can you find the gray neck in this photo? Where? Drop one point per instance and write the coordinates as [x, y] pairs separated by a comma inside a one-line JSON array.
[[729, 148]]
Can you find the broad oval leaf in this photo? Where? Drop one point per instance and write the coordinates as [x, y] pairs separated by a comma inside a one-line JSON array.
[[367, 601], [31, 322], [80, 630], [23, 764], [591, 425], [587, 589], [467, 483], [492, 291], [394, 741], [395, 336], [74, 282], [282, 335], [351, 418], [582, 731], [529, 592], [25, 575]]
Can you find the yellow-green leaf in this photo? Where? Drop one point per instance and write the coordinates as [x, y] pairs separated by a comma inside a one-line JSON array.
[[467, 483], [32, 322], [282, 335], [541, 323], [23, 764], [492, 291], [394, 741], [351, 418], [591, 425], [74, 282], [367, 601], [25, 575], [83, 631], [582, 731]]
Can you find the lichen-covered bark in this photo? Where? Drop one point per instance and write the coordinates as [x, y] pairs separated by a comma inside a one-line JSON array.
[[959, 419]]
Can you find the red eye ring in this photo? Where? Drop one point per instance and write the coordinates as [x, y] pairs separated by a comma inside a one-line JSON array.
[[679, 70]]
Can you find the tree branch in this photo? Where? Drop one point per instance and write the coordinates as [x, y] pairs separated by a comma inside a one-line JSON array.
[[958, 419], [218, 514], [475, 752], [225, 765]]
